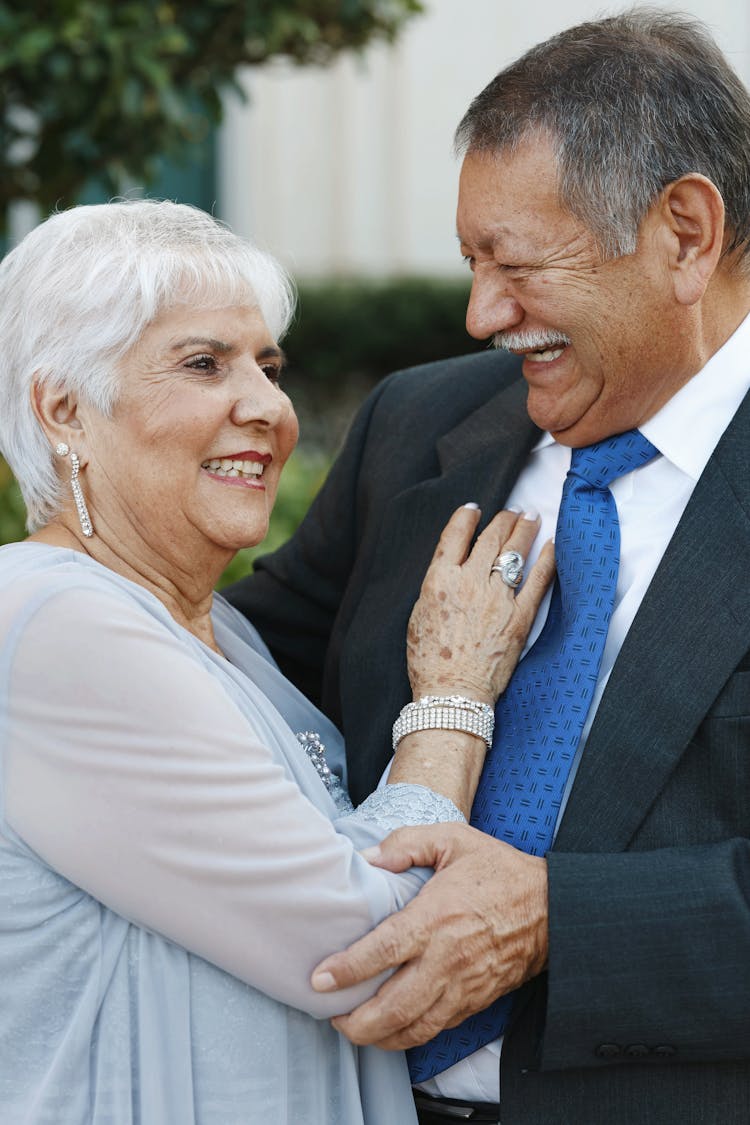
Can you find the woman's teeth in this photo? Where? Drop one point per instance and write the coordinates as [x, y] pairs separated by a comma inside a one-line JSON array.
[[227, 468]]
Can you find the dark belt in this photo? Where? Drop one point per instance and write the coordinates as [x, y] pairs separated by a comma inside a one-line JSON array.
[[437, 1111]]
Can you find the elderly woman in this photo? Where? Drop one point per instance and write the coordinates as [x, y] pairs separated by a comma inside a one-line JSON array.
[[175, 854]]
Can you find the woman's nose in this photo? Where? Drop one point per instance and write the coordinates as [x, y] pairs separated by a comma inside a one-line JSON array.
[[491, 309], [260, 400]]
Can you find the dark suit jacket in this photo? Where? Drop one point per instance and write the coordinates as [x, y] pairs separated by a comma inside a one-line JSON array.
[[644, 1015]]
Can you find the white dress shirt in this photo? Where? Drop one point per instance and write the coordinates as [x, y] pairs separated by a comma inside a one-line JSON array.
[[650, 502]]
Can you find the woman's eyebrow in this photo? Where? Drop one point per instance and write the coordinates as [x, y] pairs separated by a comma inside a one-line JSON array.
[[272, 352], [202, 342], [221, 346]]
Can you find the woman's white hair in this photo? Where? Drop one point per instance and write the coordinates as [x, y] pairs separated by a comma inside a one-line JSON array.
[[78, 292]]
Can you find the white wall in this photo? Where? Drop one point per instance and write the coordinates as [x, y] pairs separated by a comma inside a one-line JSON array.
[[349, 169]]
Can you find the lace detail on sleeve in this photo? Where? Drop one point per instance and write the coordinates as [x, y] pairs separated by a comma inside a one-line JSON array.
[[393, 806], [398, 805]]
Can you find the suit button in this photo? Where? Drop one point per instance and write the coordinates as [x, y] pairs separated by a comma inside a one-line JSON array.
[[608, 1050], [636, 1050], [664, 1051]]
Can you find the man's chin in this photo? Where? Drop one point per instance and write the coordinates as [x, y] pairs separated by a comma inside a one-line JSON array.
[[573, 423], [545, 412]]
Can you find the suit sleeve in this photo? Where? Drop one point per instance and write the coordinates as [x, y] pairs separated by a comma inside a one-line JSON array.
[[649, 956], [650, 948]]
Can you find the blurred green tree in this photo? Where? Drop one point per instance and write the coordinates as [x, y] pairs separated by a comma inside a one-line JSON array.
[[104, 90], [12, 510]]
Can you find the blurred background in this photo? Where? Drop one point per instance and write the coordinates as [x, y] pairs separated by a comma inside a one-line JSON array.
[[321, 129]]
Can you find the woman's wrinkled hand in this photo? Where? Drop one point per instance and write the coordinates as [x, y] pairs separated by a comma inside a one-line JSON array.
[[468, 628]]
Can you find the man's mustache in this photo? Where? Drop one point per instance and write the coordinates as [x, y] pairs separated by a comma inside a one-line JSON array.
[[529, 341]]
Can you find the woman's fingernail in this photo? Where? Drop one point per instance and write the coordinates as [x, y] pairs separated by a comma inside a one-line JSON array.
[[323, 982], [474, 507], [515, 509], [531, 514], [370, 854]]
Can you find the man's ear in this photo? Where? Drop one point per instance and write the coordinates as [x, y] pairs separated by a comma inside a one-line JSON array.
[[693, 211], [57, 413]]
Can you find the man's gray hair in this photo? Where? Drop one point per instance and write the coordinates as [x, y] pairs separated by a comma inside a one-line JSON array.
[[629, 104], [78, 292]]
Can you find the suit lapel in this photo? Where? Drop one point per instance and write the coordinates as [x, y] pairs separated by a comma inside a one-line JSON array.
[[479, 461], [500, 430], [690, 633]]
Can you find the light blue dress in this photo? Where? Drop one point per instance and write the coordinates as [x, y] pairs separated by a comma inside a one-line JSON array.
[[171, 870]]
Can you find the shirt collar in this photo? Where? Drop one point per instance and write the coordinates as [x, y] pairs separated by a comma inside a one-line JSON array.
[[687, 429]]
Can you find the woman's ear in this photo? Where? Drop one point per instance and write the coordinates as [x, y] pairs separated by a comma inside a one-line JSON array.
[[57, 413], [693, 210]]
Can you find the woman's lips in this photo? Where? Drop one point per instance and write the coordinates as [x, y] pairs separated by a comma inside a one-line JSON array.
[[247, 468]]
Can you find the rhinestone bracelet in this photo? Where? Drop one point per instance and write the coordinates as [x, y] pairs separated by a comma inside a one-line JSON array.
[[445, 712]]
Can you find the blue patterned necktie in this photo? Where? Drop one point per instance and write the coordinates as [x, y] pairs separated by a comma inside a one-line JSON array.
[[540, 716]]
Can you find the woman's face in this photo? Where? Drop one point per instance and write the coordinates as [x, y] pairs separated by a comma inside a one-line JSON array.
[[190, 459]]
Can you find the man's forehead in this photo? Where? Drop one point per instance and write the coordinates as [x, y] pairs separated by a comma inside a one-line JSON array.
[[476, 228], [493, 219], [510, 198]]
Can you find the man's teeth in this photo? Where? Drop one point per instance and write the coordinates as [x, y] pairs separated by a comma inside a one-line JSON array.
[[227, 468], [546, 356]]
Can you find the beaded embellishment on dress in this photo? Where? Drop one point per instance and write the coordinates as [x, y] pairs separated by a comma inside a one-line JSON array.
[[391, 807], [309, 740]]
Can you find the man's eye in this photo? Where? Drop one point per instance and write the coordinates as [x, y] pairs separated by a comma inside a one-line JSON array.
[[514, 273], [469, 260]]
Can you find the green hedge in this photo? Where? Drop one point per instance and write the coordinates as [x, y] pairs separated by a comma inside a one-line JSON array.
[[346, 336], [373, 327]]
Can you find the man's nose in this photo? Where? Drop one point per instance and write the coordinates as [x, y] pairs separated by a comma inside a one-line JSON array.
[[491, 308]]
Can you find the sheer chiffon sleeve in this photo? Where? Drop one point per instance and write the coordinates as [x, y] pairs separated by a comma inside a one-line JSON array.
[[131, 771]]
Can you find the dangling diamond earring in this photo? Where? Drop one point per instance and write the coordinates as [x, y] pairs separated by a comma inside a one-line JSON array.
[[62, 450]]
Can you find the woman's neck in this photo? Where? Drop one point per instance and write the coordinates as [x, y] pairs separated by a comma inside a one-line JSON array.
[[186, 593]]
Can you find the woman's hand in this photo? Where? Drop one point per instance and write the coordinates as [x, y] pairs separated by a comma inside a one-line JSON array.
[[468, 627]]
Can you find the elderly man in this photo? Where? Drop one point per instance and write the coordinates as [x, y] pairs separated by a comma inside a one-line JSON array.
[[604, 211]]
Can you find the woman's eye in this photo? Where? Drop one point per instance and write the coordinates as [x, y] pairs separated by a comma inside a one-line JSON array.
[[202, 363], [272, 372]]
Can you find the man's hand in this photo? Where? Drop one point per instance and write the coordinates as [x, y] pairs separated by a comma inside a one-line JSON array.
[[477, 930]]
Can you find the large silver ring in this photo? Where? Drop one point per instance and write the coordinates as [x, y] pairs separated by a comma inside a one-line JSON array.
[[509, 565]]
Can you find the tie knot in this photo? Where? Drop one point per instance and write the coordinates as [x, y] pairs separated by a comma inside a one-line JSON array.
[[604, 462]]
